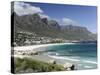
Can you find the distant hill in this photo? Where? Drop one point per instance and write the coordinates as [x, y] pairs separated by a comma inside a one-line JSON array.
[[49, 28]]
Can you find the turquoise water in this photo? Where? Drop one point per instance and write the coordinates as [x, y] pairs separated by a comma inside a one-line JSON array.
[[84, 56]]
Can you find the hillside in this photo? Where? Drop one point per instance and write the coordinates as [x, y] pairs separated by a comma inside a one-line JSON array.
[[49, 28]]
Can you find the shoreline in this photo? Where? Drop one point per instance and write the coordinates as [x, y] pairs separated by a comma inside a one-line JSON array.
[[33, 47], [47, 57]]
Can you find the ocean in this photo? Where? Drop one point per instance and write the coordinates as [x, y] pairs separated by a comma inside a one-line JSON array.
[[84, 55]]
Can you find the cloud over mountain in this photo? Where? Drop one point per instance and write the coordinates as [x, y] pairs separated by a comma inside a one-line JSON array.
[[22, 8], [44, 16], [68, 21]]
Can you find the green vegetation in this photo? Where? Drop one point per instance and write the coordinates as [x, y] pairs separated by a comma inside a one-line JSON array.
[[27, 65]]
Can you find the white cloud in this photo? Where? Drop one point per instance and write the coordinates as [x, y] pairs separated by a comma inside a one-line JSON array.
[[67, 21], [44, 16], [22, 8]]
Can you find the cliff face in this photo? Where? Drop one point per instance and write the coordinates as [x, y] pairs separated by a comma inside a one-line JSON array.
[[49, 28]]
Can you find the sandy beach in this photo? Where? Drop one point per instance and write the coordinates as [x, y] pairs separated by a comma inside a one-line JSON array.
[[40, 57], [46, 58], [36, 47]]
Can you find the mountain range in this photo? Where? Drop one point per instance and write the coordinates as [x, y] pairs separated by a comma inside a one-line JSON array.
[[49, 28]]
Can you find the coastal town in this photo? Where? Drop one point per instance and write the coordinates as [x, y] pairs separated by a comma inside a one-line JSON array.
[[27, 38]]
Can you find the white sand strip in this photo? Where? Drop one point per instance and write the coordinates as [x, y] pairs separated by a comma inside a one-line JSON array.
[[33, 47]]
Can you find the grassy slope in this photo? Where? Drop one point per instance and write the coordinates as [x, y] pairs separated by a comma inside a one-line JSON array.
[[27, 65]]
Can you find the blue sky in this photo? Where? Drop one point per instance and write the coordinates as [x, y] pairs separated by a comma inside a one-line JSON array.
[[85, 16]]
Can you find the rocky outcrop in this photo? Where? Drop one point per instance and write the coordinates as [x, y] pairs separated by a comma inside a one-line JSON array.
[[69, 66]]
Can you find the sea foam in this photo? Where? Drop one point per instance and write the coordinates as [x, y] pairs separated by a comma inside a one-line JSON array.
[[70, 59], [64, 58], [92, 62]]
